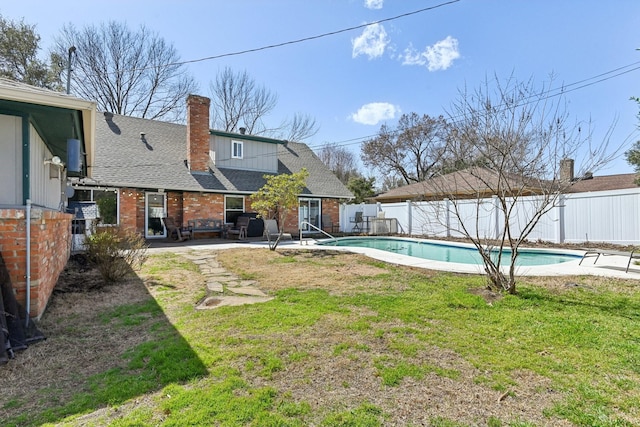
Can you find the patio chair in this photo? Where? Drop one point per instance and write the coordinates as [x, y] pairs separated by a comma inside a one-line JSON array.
[[271, 230], [327, 224], [172, 229], [357, 222], [239, 231]]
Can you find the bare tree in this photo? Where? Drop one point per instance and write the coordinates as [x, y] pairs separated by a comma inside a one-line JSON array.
[[300, 127], [127, 72], [412, 151], [517, 137], [239, 102], [340, 160]]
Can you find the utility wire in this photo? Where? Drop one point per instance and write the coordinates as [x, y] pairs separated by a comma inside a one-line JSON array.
[[305, 39], [551, 93], [581, 84]]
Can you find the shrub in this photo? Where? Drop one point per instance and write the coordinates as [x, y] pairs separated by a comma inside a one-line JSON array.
[[116, 252]]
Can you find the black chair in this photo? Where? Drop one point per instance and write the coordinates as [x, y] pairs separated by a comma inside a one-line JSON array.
[[357, 222]]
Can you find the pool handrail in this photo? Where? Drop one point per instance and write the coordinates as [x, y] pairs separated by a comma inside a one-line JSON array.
[[316, 228]]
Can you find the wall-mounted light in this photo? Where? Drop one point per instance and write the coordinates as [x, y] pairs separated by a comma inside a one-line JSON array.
[[55, 161], [55, 167]]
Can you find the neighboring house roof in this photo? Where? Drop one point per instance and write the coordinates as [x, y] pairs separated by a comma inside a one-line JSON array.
[[465, 184], [58, 116], [157, 159], [473, 182], [604, 183]]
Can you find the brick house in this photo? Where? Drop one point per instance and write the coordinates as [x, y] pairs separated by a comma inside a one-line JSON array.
[[44, 136], [148, 169]]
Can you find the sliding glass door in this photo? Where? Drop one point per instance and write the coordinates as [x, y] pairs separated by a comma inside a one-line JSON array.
[[155, 209], [309, 212]]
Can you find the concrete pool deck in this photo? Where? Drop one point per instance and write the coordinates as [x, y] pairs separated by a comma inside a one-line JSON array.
[[609, 266]]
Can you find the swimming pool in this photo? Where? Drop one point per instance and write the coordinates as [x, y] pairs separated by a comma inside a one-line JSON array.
[[447, 252]]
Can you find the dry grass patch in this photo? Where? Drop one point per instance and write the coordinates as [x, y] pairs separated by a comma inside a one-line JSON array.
[[335, 271]]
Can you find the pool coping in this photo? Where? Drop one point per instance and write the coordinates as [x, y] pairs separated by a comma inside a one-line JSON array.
[[612, 266]]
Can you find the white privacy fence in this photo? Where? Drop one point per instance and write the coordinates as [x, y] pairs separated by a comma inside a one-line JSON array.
[[603, 216]]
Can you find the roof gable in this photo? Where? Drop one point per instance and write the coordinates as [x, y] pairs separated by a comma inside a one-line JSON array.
[[142, 153]]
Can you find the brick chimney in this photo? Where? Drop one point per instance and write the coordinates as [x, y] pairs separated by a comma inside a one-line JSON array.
[[198, 133], [566, 170]]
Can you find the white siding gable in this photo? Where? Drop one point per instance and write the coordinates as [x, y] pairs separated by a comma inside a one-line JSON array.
[[256, 155]]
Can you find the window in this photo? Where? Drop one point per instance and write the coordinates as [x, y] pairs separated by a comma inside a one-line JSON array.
[[107, 201], [236, 149], [108, 205], [233, 207]]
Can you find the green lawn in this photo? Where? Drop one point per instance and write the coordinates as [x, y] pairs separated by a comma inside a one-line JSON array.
[[384, 345]]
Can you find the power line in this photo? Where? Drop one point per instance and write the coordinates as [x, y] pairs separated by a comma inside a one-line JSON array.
[[305, 39], [551, 93], [301, 40]]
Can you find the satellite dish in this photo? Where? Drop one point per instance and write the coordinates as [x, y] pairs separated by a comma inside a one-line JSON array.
[[69, 191]]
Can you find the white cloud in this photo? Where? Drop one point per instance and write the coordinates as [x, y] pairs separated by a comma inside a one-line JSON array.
[[440, 56], [373, 4], [371, 42], [375, 112]]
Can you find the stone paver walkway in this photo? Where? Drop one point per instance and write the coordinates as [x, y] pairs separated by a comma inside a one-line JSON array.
[[223, 288]]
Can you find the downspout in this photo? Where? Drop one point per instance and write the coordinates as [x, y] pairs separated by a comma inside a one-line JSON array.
[[28, 264], [26, 196]]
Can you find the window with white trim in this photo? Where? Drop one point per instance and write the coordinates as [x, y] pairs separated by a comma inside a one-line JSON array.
[[233, 208], [107, 201], [236, 149]]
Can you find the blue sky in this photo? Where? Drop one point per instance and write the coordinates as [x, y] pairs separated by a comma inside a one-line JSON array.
[[354, 81]]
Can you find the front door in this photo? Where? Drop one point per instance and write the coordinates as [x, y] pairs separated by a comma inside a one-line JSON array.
[[155, 209], [309, 212]]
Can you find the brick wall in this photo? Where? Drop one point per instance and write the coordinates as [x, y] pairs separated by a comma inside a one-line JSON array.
[[132, 210], [50, 250], [175, 207], [202, 205]]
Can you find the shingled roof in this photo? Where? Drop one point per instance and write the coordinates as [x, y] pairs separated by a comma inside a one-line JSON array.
[[464, 184], [604, 183], [143, 153]]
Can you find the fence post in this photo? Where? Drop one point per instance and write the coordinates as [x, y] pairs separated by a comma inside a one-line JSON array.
[[561, 225], [409, 220], [496, 209], [447, 216]]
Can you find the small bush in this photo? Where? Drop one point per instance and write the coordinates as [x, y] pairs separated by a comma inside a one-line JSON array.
[[116, 252]]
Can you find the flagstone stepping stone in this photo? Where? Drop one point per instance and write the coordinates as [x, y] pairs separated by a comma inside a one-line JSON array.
[[215, 287], [248, 283], [224, 279], [217, 270], [247, 291], [218, 278]]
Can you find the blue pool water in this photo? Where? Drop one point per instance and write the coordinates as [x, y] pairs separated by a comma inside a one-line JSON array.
[[448, 252]]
